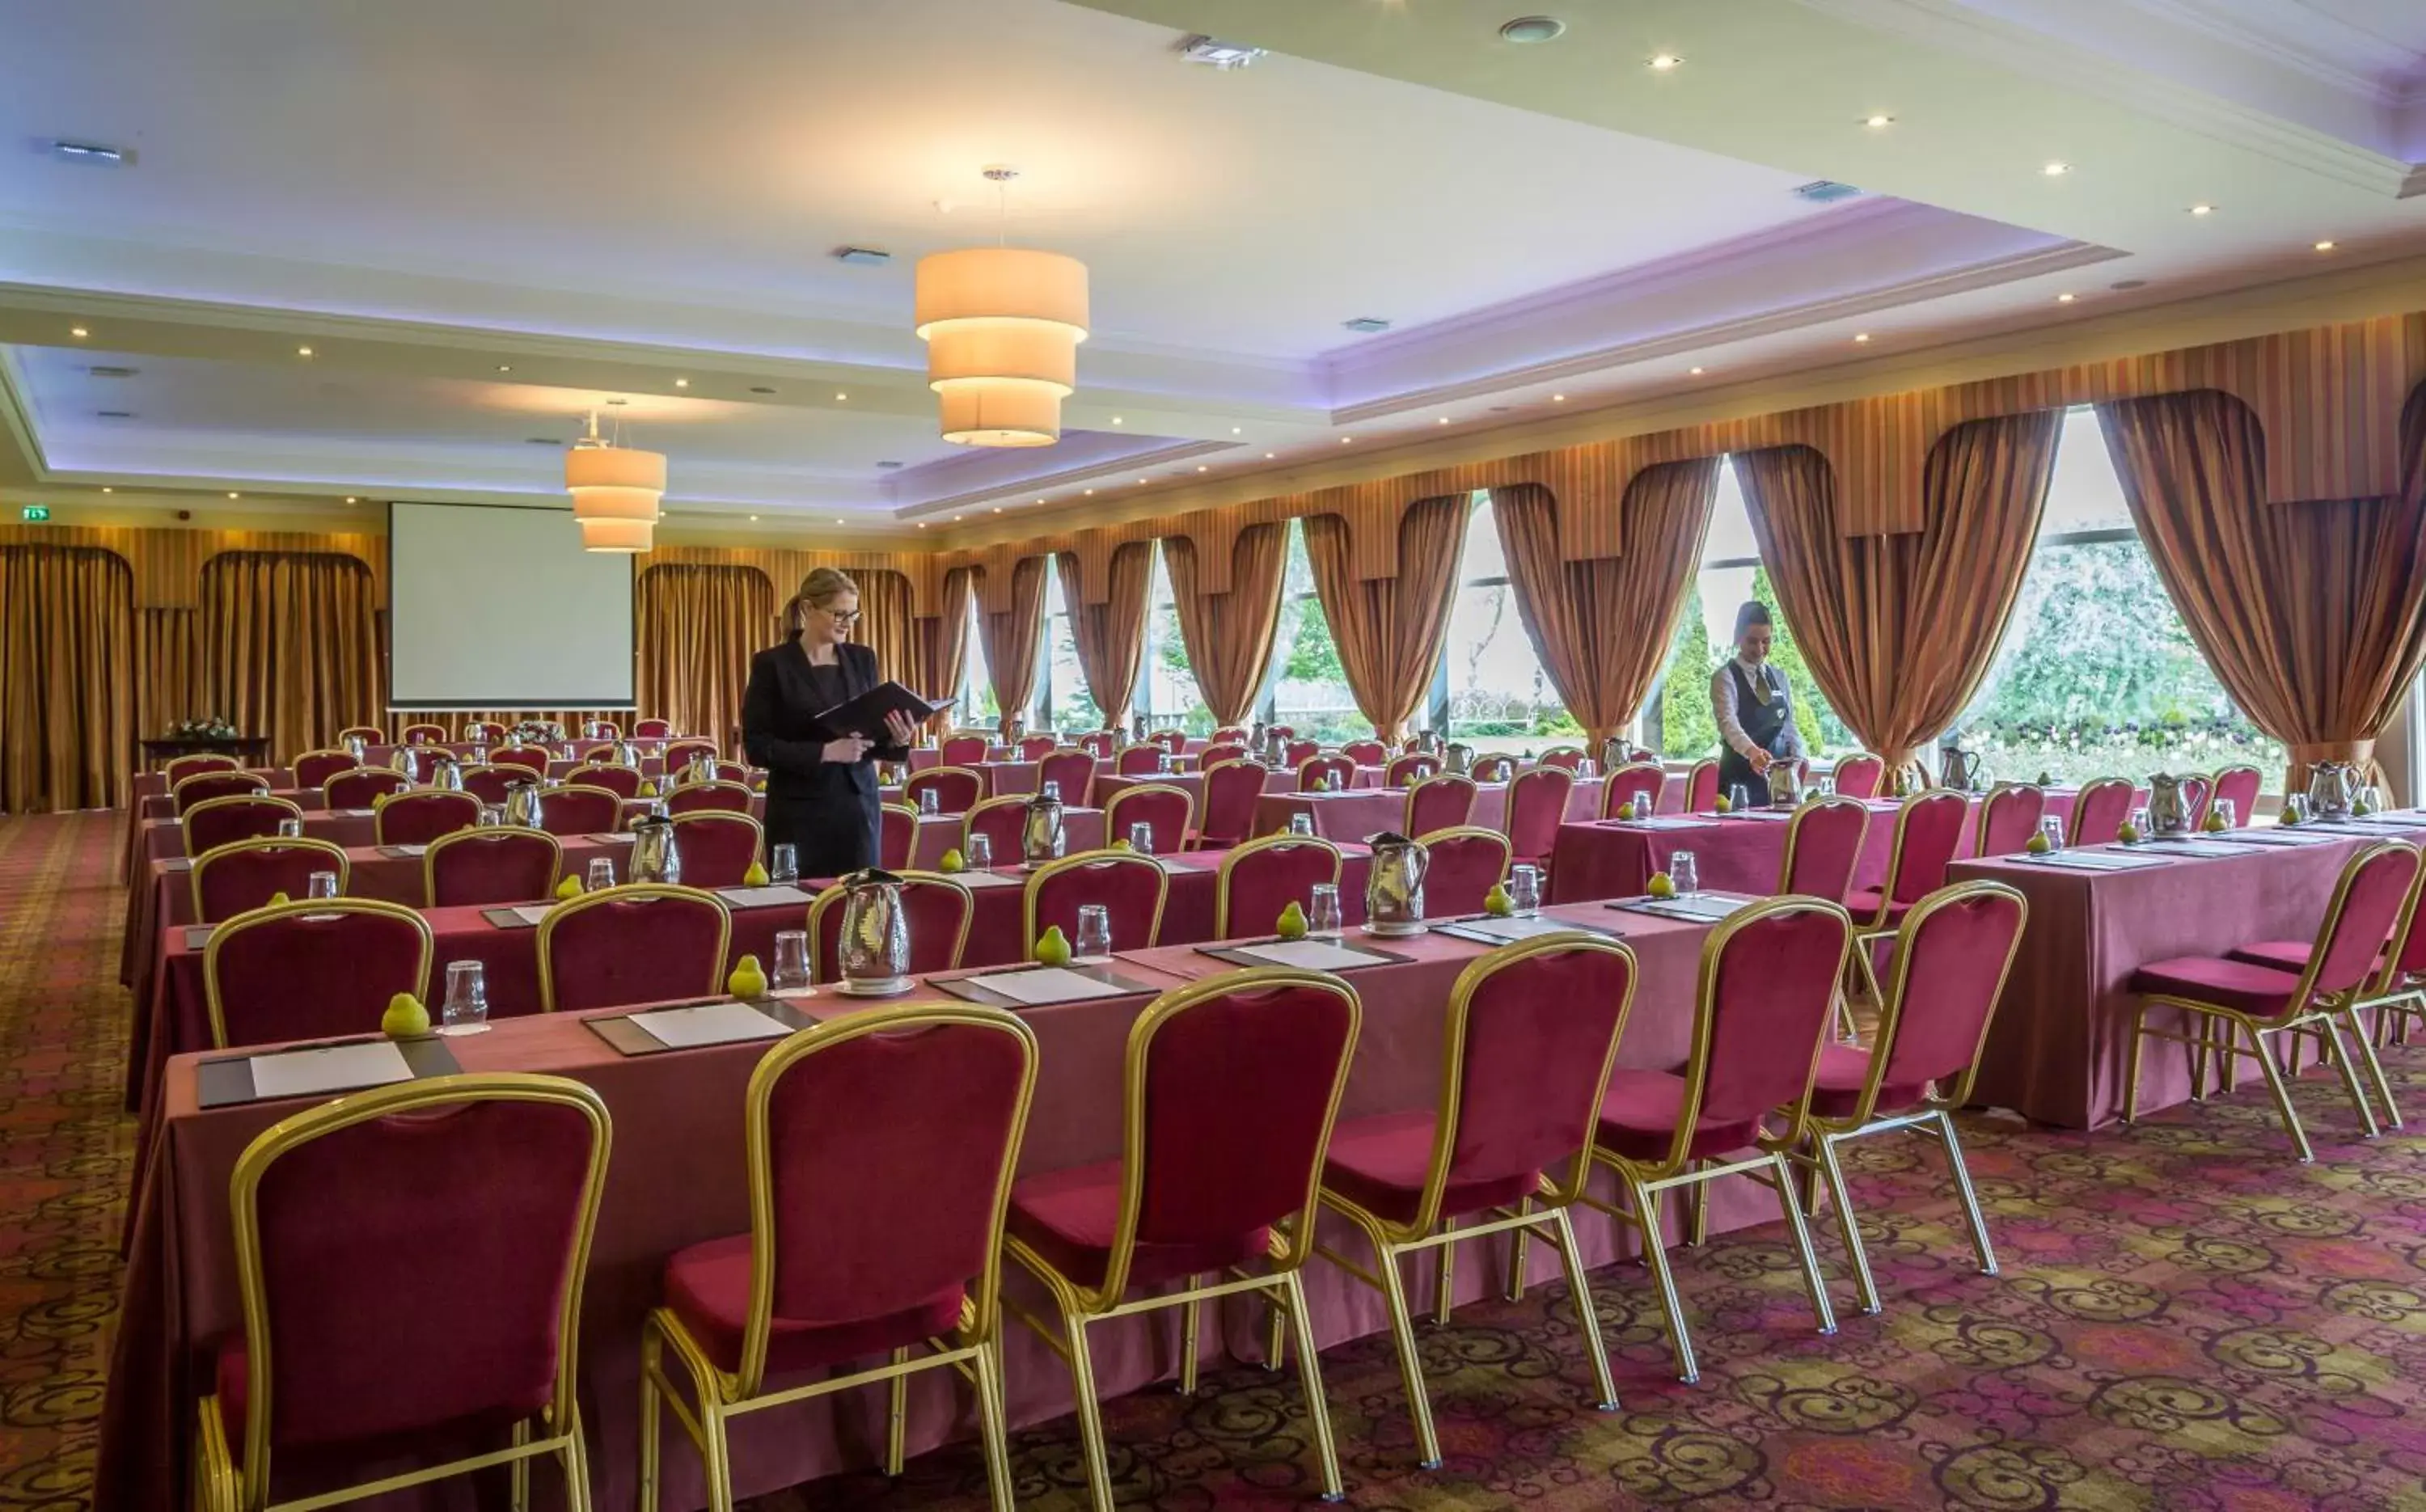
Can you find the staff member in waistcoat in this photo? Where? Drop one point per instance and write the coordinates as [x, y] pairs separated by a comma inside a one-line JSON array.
[[1753, 707]]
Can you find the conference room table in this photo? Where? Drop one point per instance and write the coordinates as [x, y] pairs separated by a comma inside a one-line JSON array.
[[155, 784], [2061, 1035], [1360, 812], [677, 1178]]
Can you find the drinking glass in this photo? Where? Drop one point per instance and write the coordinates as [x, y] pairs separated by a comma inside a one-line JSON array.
[[1094, 933], [290, 828], [320, 885], [2139, 825], [1586, 770], [782, 864], [1162, 763], [1738, 799], [1525, 890], [1686, 872], [491, 817], [1322, 910], [1141, 838], [2052, 828], [791, 960], [1300, 823], [980, 854], [2373, 797], [2295, 807], [1827, 784], [927, 802], [2227, 812], [467, 996], [602, 873], [1051, 790]]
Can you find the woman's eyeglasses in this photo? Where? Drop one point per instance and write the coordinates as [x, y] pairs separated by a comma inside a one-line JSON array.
[[842, 617]]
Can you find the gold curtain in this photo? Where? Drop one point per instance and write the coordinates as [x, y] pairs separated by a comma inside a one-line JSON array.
[[167, 669], [698, 627], [1229, 635], [1899, 630], [2313, 615], [1111, 635], [67, 678], [290, 645], [888, 624], [1602, 627], [1011, 639], [1389, 630], [942, 646]]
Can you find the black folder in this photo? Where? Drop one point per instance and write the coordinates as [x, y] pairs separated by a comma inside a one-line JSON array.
[[864, 715]]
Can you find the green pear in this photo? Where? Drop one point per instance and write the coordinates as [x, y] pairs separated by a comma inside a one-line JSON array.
[[1661, 885], [749, 979], [648, 790], [2129, 835], [405, 1018], [1496, 903], [1053, 948], [755, 877], [1292, 923], [570, 887], [953, 861], [1722, 805], [2037, 845], [277, 898], [2214, 824]]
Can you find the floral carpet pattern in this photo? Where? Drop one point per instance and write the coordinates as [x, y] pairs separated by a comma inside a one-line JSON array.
[[2186, 1318]]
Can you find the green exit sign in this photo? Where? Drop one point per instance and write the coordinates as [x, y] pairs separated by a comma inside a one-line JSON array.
[[36, 513]]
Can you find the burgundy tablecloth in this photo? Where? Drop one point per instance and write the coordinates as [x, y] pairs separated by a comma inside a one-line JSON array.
[[155, 784], [677, 1179], [1362, 811], [2062, 1033]]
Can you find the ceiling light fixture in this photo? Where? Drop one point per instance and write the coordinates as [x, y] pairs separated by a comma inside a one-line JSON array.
[[1662, 62], [78, 333], [754, 519], [2324, 247], [1214, 52], [1879, 123], [1557, 398], [2202, 210], [303, 351], [106, 489], [1269, 456], [1346, 440], [234, 495], [1238, 430], [1444, 420], [351, 499], [1525, 31], [504, 367], [997, 508], [1696, 372], [2066, 298], [682, 383], [1002, 326], [616, 492], [1201, 467], [2055, 170], [1861, 338], [841, 398]]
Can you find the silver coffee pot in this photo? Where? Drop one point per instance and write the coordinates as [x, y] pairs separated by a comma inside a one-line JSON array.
[[1960, 770], [1256, 737], [407, 761], [1614, 753], [445, 771], [1461, 758], [355, 746], [2333, 789], [875, 945], [1039, 832], [1275, 749], [1427, 743], [654, 858], [522, 805], [2171, 799], [1394, 887], [1137, 728], [1014, 729], [1784, 783]]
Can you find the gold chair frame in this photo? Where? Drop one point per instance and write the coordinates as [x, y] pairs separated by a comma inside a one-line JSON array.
[[1237, 853], [474, 836], [1474, 831], [1642, 1182], [631, 892], [711, 785], [2080, 802], [1327, 759], [220, 1485], [546, 793], [1504, 766], [1084, 858], [1112, 805], [338, 860], [968, 823], [372, 734], [833, 896], [404, 736], [389, 772], [911, 784], [420, 794], [186, 821], [757, 830], [295, 765], [271, 913], [975, 1353], [1694, 775], [260, 783], [1609, 785], [1406, 815], [1291, 1243], [1979, 820], [1877, 926]]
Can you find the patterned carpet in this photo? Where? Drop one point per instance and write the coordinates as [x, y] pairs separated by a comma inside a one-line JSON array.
[[2186, 1319]]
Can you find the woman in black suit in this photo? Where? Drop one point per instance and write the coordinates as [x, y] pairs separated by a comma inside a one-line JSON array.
[[820, 793]]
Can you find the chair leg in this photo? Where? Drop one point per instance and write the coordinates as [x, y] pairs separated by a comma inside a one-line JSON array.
[[1964, 1190], [2131, 1065], [2282, 1095], [897, 1416], [1192, 1318], [1865, 1285], [2197, 1047], [1563, 1233], [1317, 1407], [518, 1473], [992, 1430], [1519, 1244], [719, 1456], [1655, 1254], [1445, 1279], [653, 1349], [1811, 1278], [2348, 1069], [1699, 1232], [1276, 1332], [1091, 1416], [2375, 1066], [1411, 1364], [575, 1455]]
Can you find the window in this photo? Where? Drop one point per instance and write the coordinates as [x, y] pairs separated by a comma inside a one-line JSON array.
[[977, 706], [1309, 688], [1493, 693], [1682, 727], [1063, 701], [2097, 675], [1168, 689]]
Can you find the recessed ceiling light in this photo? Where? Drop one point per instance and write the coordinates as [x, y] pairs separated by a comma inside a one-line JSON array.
[[959, 516], [1444, 420], [1039, 501], [1662, 62], [1345, 440], [78, 333], [682, 383], [2202, 210], [351, 499], [1861, 337], [2055, 170], [1877, 122], [1091, 493], [504, 367], [1557, 398], [2324, 247], [106, 489], [234, 495], [1367, 325], [840, 397], [1116, 420], [1238, 430], [1269, 456], [754, 519], [2066, 298], [997, 508], [90, 153], [303, 351], [837, 519], [1696, 372], [760, 388], [1526, 31], [922, 525], [1200, 467], [1141, 481]]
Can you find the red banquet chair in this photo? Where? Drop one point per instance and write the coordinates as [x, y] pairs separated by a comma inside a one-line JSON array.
[[368, 734], [1443, 802], [1232, 792], [679, 754], [1229, 734], [717, 849], [361, 788], [1285, 732], [1174, 741], [181, 767], [957, 789], [729, 772], [310, 969], [896, 836], [709, 797], [2243, 999], [1858, 777], [1365, 753], [932, 1098], [1145, 759], [1099, 744], [1168, 812], [601, 755], [1928, 834], [203, 786], [1952, 954], [2238, 786], [1493, 768], [214, 822], [652, 729], [1003, 821], [580, 809], [641, 943], [2009, 816], [1768, 987], [1467, 862], [1188, 1201], [493, 785], [1823, 845], [623, 782], [424, 733], [962, 750], [1406, 771], [244, 875], [421, 815], [1335, 774], [353, 1342], [600, 730], [483, 731], [1296, 754], [1260, 879], [531, 758], [1130, 888], [1531, 1036], [1701, 787], [315, 767], [1036, 747], [1635, 781], [494, 865], [2393, 995], [2099, 809], [1071, 772], [1537, 805], [1570, 757], [937, 910]]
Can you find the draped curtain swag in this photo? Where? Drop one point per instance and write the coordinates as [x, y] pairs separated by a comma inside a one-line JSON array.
[[67, 700], [1229, 635], [1602, 627], [1011, 639], [2313, 615], [1389, 630], [1899, 630], [290, 645], [698, 627], [1111, 635]]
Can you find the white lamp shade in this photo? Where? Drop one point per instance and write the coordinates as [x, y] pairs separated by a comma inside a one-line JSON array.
[[614, 467], [615, 503], [1001, 414], [624, 535], [990, 282], [988, 350]]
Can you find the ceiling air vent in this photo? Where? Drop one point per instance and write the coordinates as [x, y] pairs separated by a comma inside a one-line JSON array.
[[1367, 325], [862, 256], [105, 371], [114, 414], [1214, 52], [1825, 191]]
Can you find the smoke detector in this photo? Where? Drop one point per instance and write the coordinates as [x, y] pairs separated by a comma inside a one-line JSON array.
[[1367, 325], [1825, 191], [1526, 31], [1214, 52]]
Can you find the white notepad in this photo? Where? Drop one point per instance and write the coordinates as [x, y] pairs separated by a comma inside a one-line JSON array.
[[1512, 928], [761, 897], [409, 850], [332, 1069], [716, 1023], [988, 879], [1701, 906], [533, 912], [1663, 821], [1048, 984], [1765, 816], [1308, 954]]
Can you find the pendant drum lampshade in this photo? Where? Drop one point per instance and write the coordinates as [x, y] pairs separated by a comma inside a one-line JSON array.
[[615, 493], [1002, 326]]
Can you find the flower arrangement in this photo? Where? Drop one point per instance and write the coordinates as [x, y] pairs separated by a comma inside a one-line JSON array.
[[209, 727], [535, 733]]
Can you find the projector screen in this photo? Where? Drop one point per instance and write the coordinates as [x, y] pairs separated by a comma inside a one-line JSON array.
[[493, 607]]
